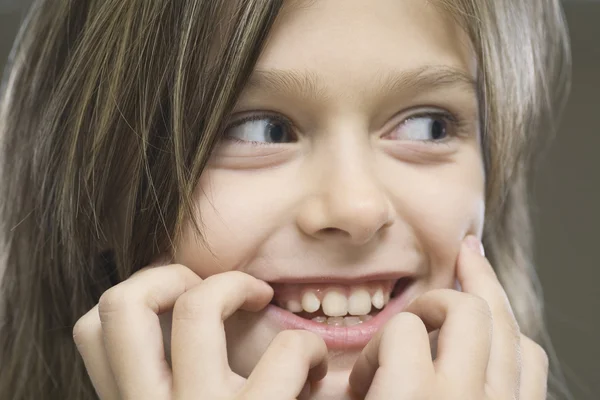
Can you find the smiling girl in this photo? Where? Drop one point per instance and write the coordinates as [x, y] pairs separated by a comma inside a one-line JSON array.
[[269, 199]]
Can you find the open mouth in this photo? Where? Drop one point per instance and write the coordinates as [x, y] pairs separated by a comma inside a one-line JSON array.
[[340, 312]]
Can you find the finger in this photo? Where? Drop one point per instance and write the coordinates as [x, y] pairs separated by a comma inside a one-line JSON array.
[[465, 335], [477, 277], [396, 363], [87, 334], [198, 347], [305, 393], [292, 359], [132, 333], [534, 374]]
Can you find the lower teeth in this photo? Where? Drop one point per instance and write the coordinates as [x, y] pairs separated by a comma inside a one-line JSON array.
[[342, 321]]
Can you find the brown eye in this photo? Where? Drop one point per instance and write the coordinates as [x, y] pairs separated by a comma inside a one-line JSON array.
[[261, 130]]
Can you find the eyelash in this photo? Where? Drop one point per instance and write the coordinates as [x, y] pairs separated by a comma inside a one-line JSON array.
[[258, 117], [456, 125]]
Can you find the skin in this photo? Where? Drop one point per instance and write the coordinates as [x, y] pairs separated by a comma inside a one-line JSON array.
[[354, 190]]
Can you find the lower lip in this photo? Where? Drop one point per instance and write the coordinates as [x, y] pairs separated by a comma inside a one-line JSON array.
[[339, 337]]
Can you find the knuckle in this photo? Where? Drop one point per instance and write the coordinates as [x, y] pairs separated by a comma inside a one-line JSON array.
[[478, 307], [543, 357], [537, 352], [192, 305], [113, 299], [84, 329], [179, 269], [183, 275], [124, 298]]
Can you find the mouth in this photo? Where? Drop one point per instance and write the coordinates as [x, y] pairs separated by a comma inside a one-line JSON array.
[[345, 315]]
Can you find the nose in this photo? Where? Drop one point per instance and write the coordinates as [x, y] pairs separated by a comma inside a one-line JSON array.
[[347, 203]]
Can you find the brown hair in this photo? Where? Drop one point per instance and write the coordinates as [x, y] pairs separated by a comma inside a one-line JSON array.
[[111, 110]]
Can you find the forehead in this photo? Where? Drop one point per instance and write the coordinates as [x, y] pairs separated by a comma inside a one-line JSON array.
[[340, 38]]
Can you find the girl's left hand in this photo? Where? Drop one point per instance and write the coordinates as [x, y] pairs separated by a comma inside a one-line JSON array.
[[481, 353]]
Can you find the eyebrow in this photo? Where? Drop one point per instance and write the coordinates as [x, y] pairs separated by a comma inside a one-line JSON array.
[[309, 84]]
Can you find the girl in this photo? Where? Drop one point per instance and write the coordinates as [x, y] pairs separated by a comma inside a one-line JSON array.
[[269, 199]]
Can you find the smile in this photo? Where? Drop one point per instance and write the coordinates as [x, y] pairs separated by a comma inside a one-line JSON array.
[[345, 315]]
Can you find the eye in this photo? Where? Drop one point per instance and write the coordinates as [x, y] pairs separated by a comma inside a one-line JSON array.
[[427, 128], [261, 129]]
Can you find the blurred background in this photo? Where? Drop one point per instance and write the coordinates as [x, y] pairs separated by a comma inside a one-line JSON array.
[[566, 203]]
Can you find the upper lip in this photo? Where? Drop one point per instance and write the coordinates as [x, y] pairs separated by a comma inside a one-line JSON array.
[[342, 280]]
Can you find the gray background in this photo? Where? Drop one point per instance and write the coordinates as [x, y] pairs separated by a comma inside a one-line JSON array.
[[567, 198]]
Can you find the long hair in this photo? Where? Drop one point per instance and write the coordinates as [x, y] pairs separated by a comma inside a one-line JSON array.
[[110, 111]]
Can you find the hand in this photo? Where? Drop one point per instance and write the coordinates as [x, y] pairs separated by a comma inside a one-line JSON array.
[[481, 353], [121, 341]]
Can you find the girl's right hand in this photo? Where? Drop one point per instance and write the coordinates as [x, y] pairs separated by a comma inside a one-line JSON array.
[[121, 341]]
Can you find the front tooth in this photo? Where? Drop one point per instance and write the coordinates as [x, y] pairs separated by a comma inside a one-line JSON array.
[[320, 319], [310, 302], [294, 306], [335, 304], [359, 302], [378, 299]]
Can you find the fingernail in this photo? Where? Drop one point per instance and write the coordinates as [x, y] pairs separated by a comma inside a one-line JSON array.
[[475, 244]]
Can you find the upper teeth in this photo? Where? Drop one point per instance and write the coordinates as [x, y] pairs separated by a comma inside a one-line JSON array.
[[359, 302], [310, 302], [378, 299], [336, 304]]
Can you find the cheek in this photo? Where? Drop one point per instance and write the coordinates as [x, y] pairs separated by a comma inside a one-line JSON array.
[[235, 216], [442, 206], [444, 212]]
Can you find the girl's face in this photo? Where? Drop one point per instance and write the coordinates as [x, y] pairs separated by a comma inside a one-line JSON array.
[[350, 173]]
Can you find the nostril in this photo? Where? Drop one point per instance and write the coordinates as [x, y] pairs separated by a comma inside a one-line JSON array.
[[334, 231], [358, 236]]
